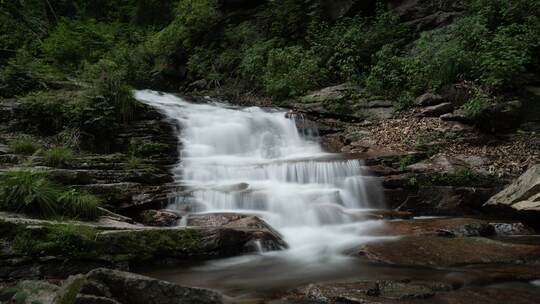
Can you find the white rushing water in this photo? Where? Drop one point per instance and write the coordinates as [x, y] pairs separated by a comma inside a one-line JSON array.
[[251, 160]]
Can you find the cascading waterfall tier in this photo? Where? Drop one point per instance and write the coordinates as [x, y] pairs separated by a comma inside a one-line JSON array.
[[256, 161]]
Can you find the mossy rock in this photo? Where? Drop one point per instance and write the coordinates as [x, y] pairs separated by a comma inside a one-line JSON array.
[[37, 238]]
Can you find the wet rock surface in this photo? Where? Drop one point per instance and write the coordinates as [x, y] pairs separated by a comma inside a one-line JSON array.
[[445, 252]]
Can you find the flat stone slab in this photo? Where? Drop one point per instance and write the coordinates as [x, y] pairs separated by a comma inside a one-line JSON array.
[[446, 252]]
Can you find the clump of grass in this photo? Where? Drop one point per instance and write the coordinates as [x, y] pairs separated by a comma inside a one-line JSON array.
[[58, 156], [24, 145], [133, 162], [31, 192], [81, 205], [28, 192]]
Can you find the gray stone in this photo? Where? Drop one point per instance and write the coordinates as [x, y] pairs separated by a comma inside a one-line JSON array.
[[510, 229], [439, 163], [135, 289], [429, 99], [37, 292], [329, 93], [159, 218], [437, 110], [521, 195]]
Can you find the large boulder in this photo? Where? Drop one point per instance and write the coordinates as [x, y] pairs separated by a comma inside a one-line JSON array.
[[239, 221], [521, 198], [56, 249], [111, 286], [446, 252], [501, 117]]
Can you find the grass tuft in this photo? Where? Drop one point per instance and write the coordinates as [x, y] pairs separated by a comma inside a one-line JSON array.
[[24, 145], [58, 156]]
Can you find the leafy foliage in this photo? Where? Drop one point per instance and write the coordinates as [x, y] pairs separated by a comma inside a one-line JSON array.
[[75, 41], [28, 192], [493, 46], [31, 192], [291, 71], [291, 19], [193, 19], [348, 45]]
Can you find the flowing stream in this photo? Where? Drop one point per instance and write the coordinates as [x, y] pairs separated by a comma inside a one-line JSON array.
[[256, 161]]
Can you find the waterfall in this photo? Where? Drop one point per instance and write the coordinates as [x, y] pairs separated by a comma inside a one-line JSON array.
[[256, 161]]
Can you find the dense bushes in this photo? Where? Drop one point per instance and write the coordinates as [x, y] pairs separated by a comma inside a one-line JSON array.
[[280, 48], [30, 192], [491, 47], [291, 71], [193, 19]]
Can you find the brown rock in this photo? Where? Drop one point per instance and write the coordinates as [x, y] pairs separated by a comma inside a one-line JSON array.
[[446, 252], [487, 296], [159, 218], [460, 227]]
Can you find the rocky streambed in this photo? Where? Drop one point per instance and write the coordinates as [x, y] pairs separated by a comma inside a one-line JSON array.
[[446, 236]]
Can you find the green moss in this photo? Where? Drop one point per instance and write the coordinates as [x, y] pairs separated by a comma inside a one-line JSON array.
[[64, 239], [148, 148], [84, 242], [147, 245]]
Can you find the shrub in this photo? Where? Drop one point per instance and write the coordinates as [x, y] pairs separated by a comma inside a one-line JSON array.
[[253, 64], [291, 71], [29, 192], [24, 145], [348, 45], [58, 156], [104, 109], [80, 205], [476, 105], [45, 112], [469, 50], [503, 58], [24, 73], [389, 76], [193, 19], [291, 19], [75, 41]]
